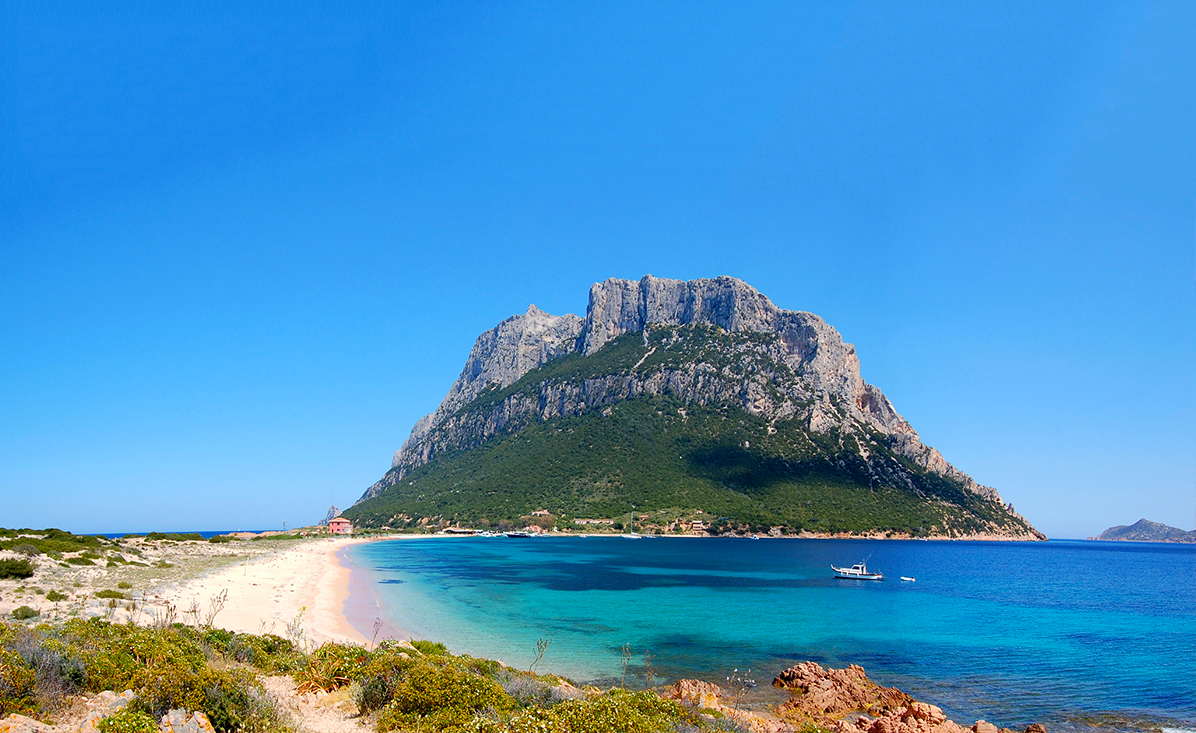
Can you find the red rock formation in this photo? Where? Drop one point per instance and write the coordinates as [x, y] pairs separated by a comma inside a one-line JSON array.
[[709, 696], [849, 702], [825, 695]]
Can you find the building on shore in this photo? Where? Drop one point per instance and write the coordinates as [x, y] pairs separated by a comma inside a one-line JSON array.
[[340, 525]]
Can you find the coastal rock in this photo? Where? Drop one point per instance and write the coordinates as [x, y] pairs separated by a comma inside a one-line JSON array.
[[177, 721], [849, 702], [101, 706], [20, 724], [829, 694], [702, 694], [917, 717], [332, 514], [710, 696]]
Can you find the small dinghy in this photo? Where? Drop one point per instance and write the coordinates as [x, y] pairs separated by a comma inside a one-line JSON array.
[[907, 579], [859, 571]]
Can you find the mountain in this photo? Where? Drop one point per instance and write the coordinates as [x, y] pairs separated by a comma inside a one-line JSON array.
[[1146, 531], [676, 401], [332, 514]]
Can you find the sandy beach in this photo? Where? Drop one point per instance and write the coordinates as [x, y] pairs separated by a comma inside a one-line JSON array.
[[289, 587], [303, 587]]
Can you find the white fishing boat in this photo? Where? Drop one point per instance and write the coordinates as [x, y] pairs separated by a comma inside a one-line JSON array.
[[859, 571], [907, 579]]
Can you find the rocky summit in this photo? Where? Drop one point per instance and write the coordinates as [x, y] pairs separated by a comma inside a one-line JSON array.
[[672, 402]]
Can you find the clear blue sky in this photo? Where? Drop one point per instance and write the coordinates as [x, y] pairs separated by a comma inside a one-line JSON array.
[[243, 250]]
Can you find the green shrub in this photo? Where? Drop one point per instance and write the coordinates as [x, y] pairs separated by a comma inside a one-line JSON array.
[[386, 668], [429, 647], [220, 539], [332, 666], [15, 569], [123, 657], [16, 685], [54, 596], [49, 541], [123, 585], [110, 594], [23, 613], [442, 698], [175, 536], [79, 561], [26, 549], [267, 652], [232, 699], [128, 720], [618, 712]]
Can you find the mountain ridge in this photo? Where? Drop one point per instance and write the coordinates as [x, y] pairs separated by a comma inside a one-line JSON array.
[[1145, 530], [704, 342]]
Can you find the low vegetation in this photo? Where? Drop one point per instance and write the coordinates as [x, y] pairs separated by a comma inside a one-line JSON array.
[[11, 569], [395, 686]]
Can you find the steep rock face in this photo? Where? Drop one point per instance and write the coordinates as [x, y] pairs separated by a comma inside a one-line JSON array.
[[802, 369], [499, 357]]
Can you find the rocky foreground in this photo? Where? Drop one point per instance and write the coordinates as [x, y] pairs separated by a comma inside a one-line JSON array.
[[825, 700], [842, 700]]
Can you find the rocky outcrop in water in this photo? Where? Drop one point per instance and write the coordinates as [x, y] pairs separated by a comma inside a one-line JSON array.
[[847, 701]]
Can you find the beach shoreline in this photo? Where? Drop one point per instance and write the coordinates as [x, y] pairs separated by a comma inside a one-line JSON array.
[[316, 588], [300, 590]]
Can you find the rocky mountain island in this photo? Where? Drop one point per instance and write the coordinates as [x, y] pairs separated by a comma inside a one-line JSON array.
[[694, 406], [1144, 530]]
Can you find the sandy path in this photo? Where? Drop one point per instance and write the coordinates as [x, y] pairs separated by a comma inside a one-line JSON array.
[[308, 582]]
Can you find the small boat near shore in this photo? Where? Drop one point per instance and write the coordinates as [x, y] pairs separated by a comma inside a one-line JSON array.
[[907, 578], [519, 534], [859, 571]]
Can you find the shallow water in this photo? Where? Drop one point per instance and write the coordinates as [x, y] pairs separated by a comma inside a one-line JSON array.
[[1060, 632]]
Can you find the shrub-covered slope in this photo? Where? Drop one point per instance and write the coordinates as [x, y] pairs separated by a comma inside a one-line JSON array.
[[670, 421]]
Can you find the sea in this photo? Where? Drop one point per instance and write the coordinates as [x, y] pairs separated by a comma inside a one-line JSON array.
[[1078, 635]]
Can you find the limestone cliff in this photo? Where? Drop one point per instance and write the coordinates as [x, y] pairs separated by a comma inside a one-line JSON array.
[[705, 342]]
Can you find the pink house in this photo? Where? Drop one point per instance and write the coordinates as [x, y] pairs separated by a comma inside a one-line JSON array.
[[340, 525]]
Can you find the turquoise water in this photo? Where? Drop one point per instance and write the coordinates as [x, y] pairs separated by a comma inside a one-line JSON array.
[[1054, 632]]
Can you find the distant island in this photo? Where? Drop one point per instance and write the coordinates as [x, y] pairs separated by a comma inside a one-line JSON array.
[[676, 407], [1146, 531]]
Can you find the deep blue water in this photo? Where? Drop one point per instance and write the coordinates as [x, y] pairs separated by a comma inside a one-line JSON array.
[[1014, 632]]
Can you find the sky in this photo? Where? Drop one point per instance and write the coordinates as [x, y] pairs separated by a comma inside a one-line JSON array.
[[243, 250]]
